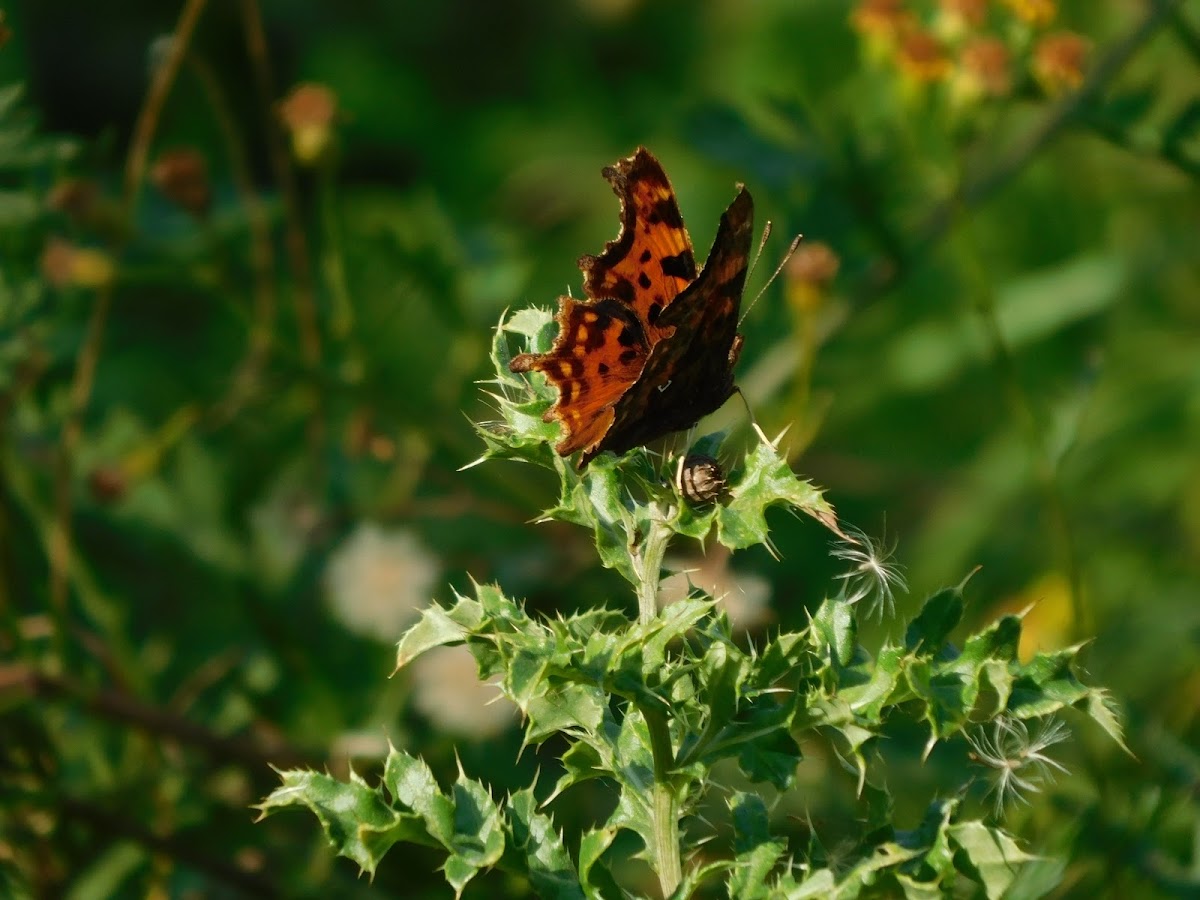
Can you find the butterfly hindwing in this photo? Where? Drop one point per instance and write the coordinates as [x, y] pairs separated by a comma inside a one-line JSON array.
[[599, 352]]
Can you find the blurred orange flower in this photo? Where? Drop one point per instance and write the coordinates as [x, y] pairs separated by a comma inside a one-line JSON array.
[[922, 58], [1059, 60]]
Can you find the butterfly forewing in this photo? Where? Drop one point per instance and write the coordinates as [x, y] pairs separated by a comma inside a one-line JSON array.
[[690, 373], [651, 261]]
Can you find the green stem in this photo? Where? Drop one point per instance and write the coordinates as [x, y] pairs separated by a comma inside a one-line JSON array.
[[647, 561], [664, 808], [332, 258]]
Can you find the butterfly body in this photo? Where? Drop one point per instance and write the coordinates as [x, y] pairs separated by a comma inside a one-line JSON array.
[[653, 347]]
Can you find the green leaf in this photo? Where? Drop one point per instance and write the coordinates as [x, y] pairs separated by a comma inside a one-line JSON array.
[[988, 855], [872, 684], [755, 852], [436, 627], [1102, 709], [1047, 683], [1183, 127], [411, 783], [547, 861], [837, 630], [948, 696], [766, 481], [355, 818], [940, 615], [572, 707], [594, 875], [478, 841]]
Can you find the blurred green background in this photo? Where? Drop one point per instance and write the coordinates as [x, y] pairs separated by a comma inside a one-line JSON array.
[[236, 378]]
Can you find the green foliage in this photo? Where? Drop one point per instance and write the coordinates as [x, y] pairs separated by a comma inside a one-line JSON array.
[[231, 424], [660, 707]]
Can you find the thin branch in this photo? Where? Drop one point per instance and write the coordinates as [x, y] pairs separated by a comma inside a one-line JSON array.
[[120, 707], [262, 256], [160, 87], [281, 164], [179, 847]]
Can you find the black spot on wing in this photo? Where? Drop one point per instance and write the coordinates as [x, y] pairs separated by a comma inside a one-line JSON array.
[[667, 212], [644, 280], [681, 265], [622, 289]]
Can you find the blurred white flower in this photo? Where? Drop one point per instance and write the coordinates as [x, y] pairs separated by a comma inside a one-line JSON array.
[[282, 526], [745, 597], [447, 690], [379, 581]]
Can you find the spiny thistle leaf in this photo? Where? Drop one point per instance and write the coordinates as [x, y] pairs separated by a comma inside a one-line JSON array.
[[545, 858], [357, 819]]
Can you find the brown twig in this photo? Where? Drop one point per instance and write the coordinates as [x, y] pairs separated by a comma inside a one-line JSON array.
[[160, 87], [89, 352], [262, 256], [281, 165], [121, 707]]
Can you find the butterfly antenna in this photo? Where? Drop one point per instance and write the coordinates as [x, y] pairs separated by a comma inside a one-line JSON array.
[[762, 243], [753, 421], [778, 269]]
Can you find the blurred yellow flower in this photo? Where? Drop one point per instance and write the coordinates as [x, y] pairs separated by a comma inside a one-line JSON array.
[[379, 581], [1048, 623], [922, 58], [808, 273], [308, 113], [984, 70], [66, 265], [957, 18], [448, 691], [881, 24], [1033, 12], [1059, 60]]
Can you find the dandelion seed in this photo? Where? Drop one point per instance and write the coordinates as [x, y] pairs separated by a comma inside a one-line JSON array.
[[1018, 759], [872, 575]]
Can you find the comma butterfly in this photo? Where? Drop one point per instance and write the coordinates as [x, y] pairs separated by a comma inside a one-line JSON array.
[[652, 349]]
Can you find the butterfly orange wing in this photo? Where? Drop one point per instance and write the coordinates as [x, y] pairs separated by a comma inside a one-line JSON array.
[[651, 261]]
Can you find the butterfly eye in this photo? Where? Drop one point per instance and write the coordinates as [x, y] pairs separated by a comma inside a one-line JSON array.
[[700, 479]]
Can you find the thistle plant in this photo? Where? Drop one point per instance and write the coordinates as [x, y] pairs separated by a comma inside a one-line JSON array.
[[697, 734]]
